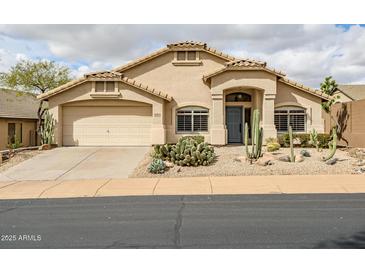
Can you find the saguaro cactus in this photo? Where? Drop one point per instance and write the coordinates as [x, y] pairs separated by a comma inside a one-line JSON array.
[[292, 156], [256, 135], [47, 129], [332, 146]]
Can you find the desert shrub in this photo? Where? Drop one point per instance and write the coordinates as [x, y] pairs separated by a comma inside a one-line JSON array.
[[270, 147], [304, 139], [198, 138], [271, 140], [157, 166], [186, 152], [16, 144]]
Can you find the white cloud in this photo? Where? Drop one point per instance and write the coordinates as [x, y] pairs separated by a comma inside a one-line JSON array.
[[305, 52]]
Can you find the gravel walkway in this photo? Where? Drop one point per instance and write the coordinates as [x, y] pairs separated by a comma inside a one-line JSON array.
[[226, 165]]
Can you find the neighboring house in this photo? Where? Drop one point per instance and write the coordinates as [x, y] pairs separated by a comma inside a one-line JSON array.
[[348, 93], [18, 118], [183, 89]]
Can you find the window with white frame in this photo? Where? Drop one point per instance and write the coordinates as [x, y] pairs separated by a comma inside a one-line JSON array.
[[192, 119], [296, 117]]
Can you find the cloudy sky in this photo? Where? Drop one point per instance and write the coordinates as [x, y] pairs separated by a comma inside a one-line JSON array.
[[307, 53]]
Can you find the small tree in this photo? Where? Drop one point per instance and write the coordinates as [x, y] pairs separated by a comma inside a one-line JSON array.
[[38, 77], [329, 87]]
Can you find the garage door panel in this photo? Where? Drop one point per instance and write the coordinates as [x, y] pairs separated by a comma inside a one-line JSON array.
[[107, 126]]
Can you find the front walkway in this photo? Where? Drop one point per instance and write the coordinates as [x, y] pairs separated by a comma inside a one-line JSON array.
[[283, 184]]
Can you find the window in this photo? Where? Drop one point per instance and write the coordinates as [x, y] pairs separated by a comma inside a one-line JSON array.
[[11, 133], [191, 55], [293, 116], [192, 119], [104, 86], [181, 55], [238, 97], [186, 56]]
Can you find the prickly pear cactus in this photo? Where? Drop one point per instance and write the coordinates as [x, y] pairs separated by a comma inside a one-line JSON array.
[[187, 152]]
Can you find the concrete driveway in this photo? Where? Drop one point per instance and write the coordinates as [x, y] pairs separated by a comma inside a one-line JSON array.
[[74, 163]]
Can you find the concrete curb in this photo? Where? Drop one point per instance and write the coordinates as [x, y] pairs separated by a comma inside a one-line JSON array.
[[281, 184]]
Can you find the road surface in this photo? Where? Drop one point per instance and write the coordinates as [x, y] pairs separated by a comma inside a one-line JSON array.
[[238, 221]]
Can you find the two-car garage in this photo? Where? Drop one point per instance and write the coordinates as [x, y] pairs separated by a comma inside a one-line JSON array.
[[107, 125]]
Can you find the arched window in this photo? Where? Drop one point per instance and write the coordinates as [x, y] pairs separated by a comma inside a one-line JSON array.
[[238, 97], [296, 117], [192, 119]]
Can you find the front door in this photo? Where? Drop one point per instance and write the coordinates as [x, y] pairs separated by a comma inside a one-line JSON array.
[[234, 124]]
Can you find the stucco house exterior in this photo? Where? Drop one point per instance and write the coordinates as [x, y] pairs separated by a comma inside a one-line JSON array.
[[185, 88], [18, 118]]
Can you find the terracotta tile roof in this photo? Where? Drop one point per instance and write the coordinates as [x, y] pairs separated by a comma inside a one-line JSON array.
[[244, 64], [173, 47], [355, 92], [146, 88], [103, 75], [17, 104], [302, 87]]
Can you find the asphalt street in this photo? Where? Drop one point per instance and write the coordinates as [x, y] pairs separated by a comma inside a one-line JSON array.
[[236, 221]]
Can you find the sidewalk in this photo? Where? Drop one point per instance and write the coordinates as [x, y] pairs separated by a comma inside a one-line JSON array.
[[283, 184]]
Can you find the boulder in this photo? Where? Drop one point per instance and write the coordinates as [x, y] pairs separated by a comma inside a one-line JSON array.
[[299, 158], [169, 164], [264, 161], [331, 161], [284, 158], [240, 159], [359, 163], [44, 147], [305, 153]]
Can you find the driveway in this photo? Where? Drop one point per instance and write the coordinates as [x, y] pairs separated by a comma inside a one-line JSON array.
[[74, 163]]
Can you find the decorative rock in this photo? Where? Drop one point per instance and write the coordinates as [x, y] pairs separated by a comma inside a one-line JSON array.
[[179, 169], [168, 164], [240, 159], [359, 163], [263, 161], [44, 147], [297, 142], [299, 158], [332, 161], [305, 153], [360, 170], [284, 158], [269, 156]]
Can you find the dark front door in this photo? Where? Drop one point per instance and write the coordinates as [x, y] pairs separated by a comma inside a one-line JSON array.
[[234, 124]]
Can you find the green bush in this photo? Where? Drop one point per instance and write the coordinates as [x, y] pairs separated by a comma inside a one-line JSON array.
[[270, 147], [304, 138], [157, 166], [198, 138], [186, 152]]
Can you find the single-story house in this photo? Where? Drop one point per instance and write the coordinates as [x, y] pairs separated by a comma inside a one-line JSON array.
[[18, 118], [349, 93], [185, 88]]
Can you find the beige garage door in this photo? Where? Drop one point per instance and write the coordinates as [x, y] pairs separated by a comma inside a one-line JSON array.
[[107, 126]]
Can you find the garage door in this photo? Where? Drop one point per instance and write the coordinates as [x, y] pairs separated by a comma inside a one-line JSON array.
[[107, 126]]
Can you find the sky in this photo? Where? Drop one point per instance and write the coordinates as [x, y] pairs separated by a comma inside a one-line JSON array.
[[306, 53]]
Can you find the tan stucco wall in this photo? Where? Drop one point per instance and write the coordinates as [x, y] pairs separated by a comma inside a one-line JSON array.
[[184, 83], [27, 126], [129, 95], [291, 96]]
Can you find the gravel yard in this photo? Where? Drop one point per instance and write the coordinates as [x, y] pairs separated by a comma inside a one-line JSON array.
[[18, 158], [227, 165]]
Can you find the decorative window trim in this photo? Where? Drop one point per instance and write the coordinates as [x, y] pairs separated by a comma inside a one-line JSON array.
[[289, 113], [186, 62], [192, 111]]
